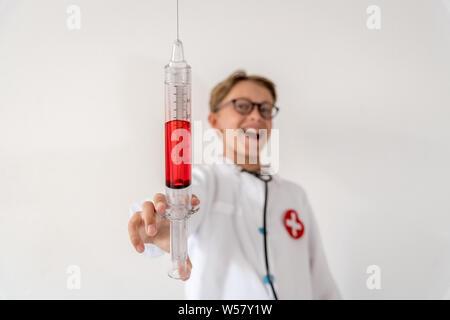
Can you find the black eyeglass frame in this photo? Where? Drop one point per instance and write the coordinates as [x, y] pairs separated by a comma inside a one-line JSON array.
[[253, 104]]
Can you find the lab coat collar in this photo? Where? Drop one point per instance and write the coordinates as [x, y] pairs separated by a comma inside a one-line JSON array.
[[237, 169]]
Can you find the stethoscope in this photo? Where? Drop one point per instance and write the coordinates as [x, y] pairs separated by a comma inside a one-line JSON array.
[[266, 179]]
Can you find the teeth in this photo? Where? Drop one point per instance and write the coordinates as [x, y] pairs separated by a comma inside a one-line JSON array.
[[252, 134]]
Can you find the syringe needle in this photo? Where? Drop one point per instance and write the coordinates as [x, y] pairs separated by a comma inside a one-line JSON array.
[[178, 28]]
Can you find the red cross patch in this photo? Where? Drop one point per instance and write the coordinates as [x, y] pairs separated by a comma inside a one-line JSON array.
[[293, 224]]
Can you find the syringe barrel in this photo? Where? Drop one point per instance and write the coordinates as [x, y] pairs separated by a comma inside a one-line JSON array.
[[178, 119]]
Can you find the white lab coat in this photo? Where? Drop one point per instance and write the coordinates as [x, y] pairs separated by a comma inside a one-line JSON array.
[[226, 243]]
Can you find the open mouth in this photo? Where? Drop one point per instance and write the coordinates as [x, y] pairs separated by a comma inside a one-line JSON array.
[[252, 134]]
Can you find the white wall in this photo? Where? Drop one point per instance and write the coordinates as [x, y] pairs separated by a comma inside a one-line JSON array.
[[81, 115]]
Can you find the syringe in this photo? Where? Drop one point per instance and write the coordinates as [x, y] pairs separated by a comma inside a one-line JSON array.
[[178, 156]]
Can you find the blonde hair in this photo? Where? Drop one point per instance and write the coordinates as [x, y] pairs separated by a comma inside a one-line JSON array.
[[221, 90]]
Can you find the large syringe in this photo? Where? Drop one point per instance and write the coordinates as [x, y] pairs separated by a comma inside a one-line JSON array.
[[178, 156]]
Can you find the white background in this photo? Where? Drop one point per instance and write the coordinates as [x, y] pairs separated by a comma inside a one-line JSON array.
[[364, 128]]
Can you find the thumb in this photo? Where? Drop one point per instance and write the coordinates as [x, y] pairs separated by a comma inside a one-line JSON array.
[[185, 274]]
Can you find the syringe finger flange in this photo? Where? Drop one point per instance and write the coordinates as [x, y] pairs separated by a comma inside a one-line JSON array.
[[178, 217], [193, 210], [163, 215]]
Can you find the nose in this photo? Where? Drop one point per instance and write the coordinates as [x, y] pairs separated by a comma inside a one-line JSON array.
[[255, 115]]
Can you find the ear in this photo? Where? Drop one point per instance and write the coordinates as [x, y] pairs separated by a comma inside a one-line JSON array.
[[212, 119]]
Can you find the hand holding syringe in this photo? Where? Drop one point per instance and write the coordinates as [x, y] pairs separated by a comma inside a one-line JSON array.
[[147, 226]]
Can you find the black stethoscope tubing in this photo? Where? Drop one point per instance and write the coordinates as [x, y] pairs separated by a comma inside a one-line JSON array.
[[266, 179]]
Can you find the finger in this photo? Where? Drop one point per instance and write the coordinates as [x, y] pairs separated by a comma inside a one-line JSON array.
[[195, 201], [185, 274], [149, 217], [160, 203], [133, 232]]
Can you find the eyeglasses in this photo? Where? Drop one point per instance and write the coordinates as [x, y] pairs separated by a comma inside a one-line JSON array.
[[245, 106]]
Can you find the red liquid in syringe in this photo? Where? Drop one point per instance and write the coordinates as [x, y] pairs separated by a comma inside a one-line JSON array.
[[178, 160]]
